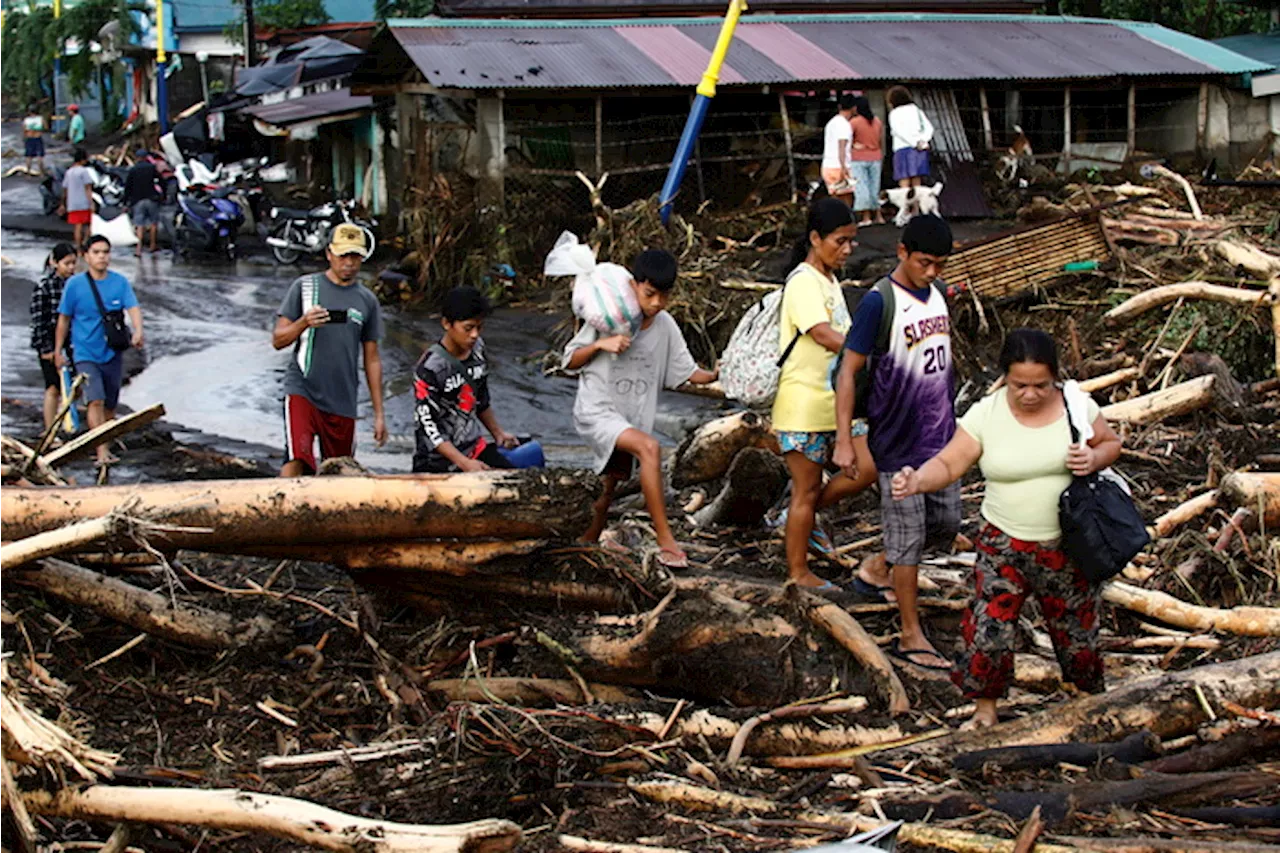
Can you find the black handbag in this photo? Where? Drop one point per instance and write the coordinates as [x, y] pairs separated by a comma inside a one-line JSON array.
[[118, 337], [1101, 527]]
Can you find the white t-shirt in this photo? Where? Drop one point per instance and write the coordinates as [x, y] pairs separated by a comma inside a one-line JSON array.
[[839, 133], [908, 125]]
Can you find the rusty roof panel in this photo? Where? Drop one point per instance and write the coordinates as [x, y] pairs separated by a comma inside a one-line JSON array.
[[457, 54]]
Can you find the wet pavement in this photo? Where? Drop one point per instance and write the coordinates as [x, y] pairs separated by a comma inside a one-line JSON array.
[[209, 360]]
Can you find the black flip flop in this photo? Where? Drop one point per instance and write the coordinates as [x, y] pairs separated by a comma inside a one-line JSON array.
[[905, 655], [869, 590]]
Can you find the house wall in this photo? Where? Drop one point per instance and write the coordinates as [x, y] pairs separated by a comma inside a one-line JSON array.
[[214, 43]]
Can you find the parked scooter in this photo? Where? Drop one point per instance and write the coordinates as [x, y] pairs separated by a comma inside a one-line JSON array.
[[207, 221], [292, 232], [108, 183]]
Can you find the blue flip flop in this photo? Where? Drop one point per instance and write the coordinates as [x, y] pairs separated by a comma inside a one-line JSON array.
[[820, 544]]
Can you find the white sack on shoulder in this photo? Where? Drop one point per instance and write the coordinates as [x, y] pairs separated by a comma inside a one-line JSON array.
[[602, 293]]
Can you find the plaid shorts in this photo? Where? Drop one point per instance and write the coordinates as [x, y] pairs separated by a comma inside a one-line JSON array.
[[920, 522], [817, 447]]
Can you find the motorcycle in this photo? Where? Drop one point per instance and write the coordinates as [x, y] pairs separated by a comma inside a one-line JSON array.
[[291, 232], [207, 221], [108, 183], [51, 190]]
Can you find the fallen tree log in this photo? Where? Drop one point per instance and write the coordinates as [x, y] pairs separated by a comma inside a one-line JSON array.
[[1200, 227], [774, 739], [530, 692], [109, 431], [148, 611], [1231, 751], [54, 542], [1172, 401], [1152, 235], [478, 592], [1245, 621], [1166, 704], [1251, 258], [1161, 845], [708, 452], [1137, 747], [451, 557], [533, 503], [846, 631], [1182, 513], [283, 817], [1235, 816], [755, 482], [1252, 491], [1115, 377], [1157, 296]]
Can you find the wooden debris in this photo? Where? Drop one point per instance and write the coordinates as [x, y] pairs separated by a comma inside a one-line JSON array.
[[1115, 377], [846, 631], [451, 557], [1184, 512], [1173, 401], [1123, 231], [755, 481], [573, 842], [1254, 492], [845, 705], [283, 817], [709, 451], [1245, 621], [148, 611], [1251, 258], [109, 431], [530, 692], [1157, 296]]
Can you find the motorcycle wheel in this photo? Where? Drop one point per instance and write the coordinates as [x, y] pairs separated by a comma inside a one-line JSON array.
[[283, 254]]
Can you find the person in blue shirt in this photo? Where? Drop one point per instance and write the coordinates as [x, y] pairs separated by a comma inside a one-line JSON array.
[[89, 301]]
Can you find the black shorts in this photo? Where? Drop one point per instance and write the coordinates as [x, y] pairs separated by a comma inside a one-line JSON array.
[[49, 370], [621, 464]]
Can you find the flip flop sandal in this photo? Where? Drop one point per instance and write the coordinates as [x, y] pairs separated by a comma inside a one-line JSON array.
[[907, 656], [820, 544], [866, 589], [673, 559]]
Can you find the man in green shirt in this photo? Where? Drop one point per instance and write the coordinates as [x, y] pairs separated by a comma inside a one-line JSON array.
[[75, 131]]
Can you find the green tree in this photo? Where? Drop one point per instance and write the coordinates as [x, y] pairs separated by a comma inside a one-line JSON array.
[[29, 43], [1208, 19], [383, 9], [82, 23], [279, 15]]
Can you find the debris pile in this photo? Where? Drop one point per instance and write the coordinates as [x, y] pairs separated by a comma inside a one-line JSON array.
[[439, 665]]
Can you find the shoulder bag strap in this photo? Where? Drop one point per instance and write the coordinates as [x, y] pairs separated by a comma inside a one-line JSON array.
[[97, 297], [786, 353], [1075, 433], [888, 302]]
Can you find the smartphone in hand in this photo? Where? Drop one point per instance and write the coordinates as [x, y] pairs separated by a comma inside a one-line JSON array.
[[337, 315]]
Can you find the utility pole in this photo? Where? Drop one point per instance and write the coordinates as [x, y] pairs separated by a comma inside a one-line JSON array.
[[57, 68], [250, 32], [162, 82]]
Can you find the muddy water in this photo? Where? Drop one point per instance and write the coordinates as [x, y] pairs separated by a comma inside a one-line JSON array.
[[209, 359]]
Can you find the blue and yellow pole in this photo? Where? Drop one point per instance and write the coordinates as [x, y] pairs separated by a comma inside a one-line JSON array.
[[57, 69], [162, 84], [698, 112]]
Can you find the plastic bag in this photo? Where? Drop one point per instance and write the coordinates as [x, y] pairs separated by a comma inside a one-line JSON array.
[[603, 295]]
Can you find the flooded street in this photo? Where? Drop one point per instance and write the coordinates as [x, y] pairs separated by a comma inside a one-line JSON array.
[[209, 359]]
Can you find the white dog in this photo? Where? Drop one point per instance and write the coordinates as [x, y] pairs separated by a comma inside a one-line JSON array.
[[912, 201]]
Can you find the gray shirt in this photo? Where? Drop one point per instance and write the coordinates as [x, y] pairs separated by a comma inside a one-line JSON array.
[[75, 180], [620, 392], [326, 359]]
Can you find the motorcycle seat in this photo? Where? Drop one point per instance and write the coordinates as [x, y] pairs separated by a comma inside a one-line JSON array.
[[293, 213]]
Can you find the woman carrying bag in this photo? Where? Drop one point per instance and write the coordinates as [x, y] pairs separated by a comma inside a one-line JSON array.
[[1021, 438]]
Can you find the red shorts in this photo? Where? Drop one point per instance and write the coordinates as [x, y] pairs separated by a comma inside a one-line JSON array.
[[79, 217], [304, 423]]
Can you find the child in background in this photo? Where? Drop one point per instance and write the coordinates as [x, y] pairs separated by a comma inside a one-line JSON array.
[[451, 394], [618, 383]]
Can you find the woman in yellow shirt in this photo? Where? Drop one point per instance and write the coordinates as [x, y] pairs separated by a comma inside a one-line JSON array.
[[814, 320], [1020, 437]]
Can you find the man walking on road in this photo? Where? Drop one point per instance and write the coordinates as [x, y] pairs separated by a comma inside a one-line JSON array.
[[142, 198], [75, 130], [33, 139], [331, 320], [77, 197], [92, 311]]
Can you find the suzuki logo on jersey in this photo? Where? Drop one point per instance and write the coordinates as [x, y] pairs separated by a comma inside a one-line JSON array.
[[457, 380], [926, 328]]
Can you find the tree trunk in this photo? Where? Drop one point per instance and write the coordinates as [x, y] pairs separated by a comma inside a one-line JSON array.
[[450, 557], [755, 482], [1184, 512], [1250, 257], [1231, 751], [1172, 401], [1253, 490], [54, 542], [148, 611], [1245, 621], [846, 631], [534, 503], [284, 817], [708, 452], [1157, 296], [1165, 703], [1137, 747]]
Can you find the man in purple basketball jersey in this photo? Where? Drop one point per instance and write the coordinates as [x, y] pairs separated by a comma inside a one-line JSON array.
[[910, 416]]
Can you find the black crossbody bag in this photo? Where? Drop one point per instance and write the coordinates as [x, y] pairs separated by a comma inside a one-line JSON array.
[[1101, 527], [118, 337]]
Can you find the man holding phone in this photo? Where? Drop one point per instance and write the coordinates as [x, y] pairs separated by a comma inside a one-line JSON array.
[[331, 320]]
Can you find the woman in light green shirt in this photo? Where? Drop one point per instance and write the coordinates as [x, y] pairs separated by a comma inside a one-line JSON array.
[[1020, 438]]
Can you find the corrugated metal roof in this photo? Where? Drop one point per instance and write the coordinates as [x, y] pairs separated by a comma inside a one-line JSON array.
[[1262, 47], [310, 107], [671, 52]]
